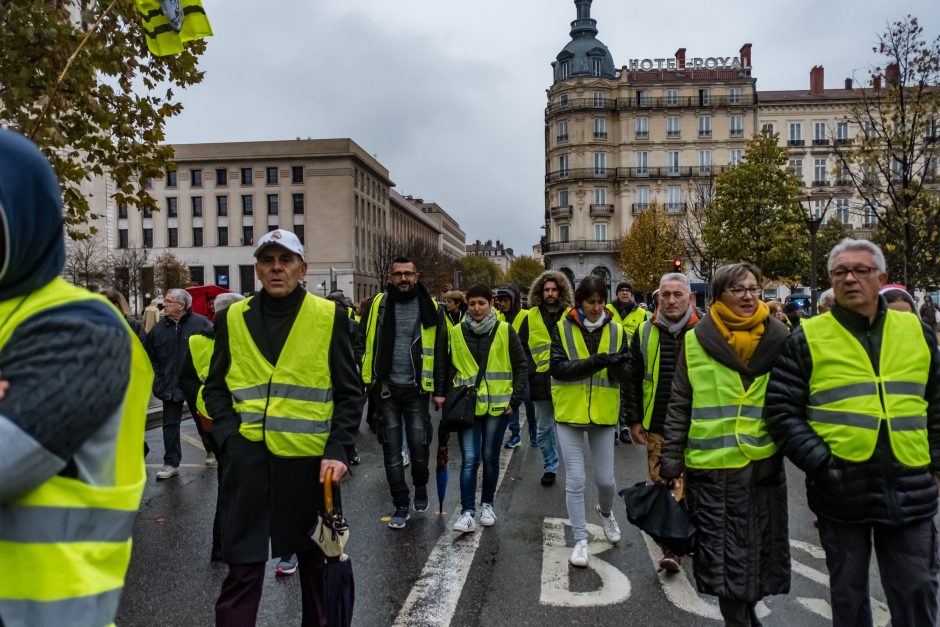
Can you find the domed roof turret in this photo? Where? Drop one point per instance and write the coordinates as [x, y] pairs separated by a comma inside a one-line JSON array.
[[584, 55]]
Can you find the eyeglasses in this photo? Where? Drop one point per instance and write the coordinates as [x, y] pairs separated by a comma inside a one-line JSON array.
[[861, 272], [739, 290], [167, 301], [403, 275]]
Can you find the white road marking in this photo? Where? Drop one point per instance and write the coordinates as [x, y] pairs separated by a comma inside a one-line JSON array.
[[194, 441], [434, 597], [614, 588], [816, 606], [678, 588]]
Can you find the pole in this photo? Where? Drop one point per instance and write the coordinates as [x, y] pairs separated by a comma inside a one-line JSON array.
[[812, 271]]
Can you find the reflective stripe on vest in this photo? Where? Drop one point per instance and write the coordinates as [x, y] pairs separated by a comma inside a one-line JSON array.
[[428, 339], [162, 38], [727, 429], [594, 399], [65, 545], [649, 345], [848, 401], [290, 404], [200, 349], [496, 386], [631, 322], [540, 340]]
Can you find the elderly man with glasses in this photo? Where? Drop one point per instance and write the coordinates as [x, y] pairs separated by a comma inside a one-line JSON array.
[[854, 402], [167, 344]]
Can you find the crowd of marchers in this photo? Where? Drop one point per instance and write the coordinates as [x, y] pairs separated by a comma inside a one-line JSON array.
[[278, 385]]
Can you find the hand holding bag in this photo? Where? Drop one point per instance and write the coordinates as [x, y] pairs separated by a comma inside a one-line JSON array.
[[460, 405]]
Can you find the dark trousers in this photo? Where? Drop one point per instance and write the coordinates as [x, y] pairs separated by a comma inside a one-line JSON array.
[[738, 613], [515, 426], [404, 407], [238, 602], [908, 563], [172, 417]]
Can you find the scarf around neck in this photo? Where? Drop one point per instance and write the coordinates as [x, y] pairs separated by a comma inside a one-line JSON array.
[[592, 326], [482, 327], [675, 328], [743, 334]]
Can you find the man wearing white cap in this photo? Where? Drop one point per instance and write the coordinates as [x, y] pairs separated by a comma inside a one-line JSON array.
[[284, 395]]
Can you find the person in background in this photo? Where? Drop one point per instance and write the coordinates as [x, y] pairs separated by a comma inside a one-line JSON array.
[[192, 377], [898, 298], [151, 315], [285, 401], [625, 310], [854, 402], [550, 297], [74, 392], [455, 308], [502, 390], [509, 309], [167, 344], [735, 479], [654, 355], [117, 299], [794, 313], [928, 313], [588, 364], [826, 299]]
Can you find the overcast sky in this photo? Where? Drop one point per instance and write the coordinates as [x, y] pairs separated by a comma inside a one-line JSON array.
[[449, 95]]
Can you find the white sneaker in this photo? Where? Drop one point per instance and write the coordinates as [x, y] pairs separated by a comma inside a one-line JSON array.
[[609, 523], [465, 524], [579, 556], [405, 458], [211, 460], [167, 471], [487, 515]]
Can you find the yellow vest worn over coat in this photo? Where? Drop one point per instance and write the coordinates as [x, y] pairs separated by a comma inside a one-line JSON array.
[[496, 385], [288, 405], [200, 348], [848, 402], [65, 546], [428, 336], [594, 399]]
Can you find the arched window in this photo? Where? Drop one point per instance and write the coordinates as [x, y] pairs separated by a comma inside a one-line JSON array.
[[569, 274], [603, 273]]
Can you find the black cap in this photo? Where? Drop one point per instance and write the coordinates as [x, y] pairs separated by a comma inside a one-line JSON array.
[[624, 285]]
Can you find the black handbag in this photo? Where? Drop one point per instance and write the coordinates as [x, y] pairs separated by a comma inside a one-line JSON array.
[[460, 405]]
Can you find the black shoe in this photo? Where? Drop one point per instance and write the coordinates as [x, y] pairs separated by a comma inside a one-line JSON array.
[[421, 498], [355, 460], [548, 478], [216, 555]]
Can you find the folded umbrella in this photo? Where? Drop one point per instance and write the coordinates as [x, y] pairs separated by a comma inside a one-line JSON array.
[[654, 509], [331, 534], [441, 472]]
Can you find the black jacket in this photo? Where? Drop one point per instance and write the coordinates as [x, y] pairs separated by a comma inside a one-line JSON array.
[[742, 548], [633, 400], [168, 347], [430, 313], [479, 344], [565, 369], [266, 498], [879, 490]]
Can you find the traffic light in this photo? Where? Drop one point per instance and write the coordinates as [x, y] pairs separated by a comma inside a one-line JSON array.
[[677, 264]]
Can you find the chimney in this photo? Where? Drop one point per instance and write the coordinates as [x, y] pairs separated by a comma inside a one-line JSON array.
[[746, 56], [876, 82], [848, 83], [816, 80], [892, 74], [680, 58]]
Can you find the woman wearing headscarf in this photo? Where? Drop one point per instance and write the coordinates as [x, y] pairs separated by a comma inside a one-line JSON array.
[[714, 431]]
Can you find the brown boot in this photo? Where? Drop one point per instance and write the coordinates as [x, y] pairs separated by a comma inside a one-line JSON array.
[[670, 562]]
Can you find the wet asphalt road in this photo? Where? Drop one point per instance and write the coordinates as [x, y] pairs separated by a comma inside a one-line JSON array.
[[511, 577]]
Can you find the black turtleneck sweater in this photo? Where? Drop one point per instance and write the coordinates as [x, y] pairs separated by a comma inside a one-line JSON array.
[[269, 321]]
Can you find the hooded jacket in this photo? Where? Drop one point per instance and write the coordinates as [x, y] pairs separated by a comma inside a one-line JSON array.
[[68, 366], [516, 299], [540, 387]]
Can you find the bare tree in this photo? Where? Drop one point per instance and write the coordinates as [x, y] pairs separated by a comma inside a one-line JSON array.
[[170, 272], [701, 259], [86, 264], [380, 263], [127, 274]]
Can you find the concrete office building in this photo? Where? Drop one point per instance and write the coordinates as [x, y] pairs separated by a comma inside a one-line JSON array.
[[453, 237]]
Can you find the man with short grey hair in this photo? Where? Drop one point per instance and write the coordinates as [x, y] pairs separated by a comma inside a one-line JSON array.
[[167, 345], [654, 353], [854, 402]]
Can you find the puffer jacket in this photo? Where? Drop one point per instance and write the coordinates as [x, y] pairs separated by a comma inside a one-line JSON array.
[[480, 344], [742, 548], [633, 401], [565, 369], [167, 345], [880, 490], [540, 383]]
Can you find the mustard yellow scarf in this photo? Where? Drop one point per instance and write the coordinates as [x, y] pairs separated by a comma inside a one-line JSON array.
[[743, 334]]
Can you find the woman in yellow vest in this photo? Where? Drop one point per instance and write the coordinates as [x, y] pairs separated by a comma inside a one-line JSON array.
[[588, 365], [714, 431], [455, 308], [502, 390]]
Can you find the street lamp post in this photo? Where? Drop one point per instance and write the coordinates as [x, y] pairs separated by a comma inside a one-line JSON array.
[[813, 220]]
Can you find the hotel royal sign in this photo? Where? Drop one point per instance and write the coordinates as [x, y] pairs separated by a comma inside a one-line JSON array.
[[692, 63]]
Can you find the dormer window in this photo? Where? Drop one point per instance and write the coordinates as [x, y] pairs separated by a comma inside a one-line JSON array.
[[596, 66], [564, 70]]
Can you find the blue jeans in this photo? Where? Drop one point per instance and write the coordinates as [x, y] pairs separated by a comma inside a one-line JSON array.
[[515, 425], [485, 435], [545, 418], [405, 409]]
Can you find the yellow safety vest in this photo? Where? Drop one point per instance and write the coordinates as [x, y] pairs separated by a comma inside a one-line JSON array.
[[540, 340], [200, 348], [289, 405], [496, 386], [848, 402], [65, 545], [631, 322], [594, 399], [727, 429], [649, 348], [162, 40], [428, 338], [516, 322]]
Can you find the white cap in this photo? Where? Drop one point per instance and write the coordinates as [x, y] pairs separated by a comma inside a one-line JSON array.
[[282, 238]]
